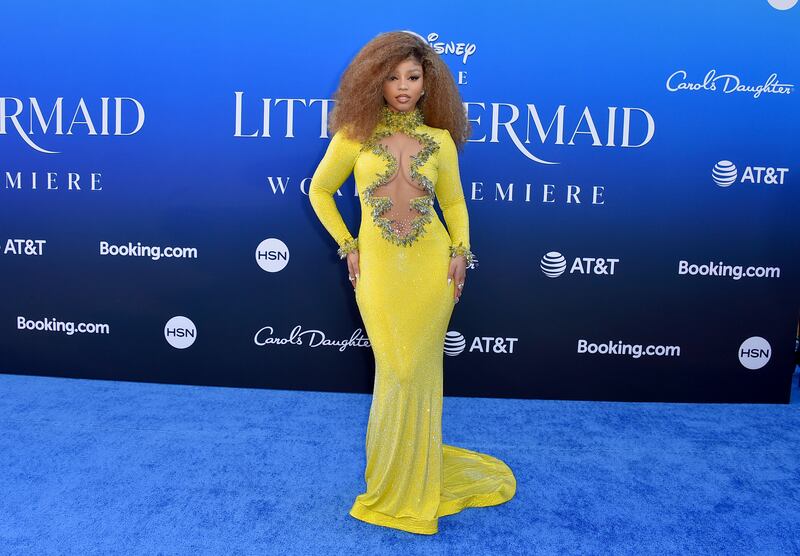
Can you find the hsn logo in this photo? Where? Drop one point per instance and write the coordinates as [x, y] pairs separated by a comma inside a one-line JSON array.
[[754, 353], [180, 332]]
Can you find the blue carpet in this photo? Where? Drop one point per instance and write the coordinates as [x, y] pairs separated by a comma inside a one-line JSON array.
[[101, 467]]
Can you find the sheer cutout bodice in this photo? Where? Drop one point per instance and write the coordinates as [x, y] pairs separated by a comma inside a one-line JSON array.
[[405, 194], [401, 168], [401, 196]]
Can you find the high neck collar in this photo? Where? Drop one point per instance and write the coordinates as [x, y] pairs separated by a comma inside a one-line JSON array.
[[399, 121]]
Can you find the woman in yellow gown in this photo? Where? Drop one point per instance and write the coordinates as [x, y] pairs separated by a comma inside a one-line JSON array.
[[408, 272]]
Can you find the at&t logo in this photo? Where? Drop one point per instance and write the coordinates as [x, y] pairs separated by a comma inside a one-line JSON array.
[[554, 264], [24, 246], [725, 174], [455, 344]]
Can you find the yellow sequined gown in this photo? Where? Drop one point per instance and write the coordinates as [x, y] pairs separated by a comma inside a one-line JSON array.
[[412, 477]]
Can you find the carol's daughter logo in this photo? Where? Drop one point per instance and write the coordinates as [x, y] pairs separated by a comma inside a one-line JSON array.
[[726, 83], [311, 338]]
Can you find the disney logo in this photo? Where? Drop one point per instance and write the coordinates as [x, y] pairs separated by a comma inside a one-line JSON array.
[[314, 338], [730, 84], [463, 49]]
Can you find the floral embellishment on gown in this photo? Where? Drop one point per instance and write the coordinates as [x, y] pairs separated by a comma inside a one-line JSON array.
[[401, 231]]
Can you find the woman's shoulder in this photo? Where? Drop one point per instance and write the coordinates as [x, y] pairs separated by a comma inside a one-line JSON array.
[[434, 130], [440, 134], [345, 138], [444, 141]]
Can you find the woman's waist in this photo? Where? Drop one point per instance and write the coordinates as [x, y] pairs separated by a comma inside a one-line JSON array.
[[431, 232]]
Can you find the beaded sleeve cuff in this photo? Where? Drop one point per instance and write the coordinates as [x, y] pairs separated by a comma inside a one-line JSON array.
[[348, 246], [456, 250]]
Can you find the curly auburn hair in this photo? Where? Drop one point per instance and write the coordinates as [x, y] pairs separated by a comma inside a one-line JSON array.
[[359, 97]]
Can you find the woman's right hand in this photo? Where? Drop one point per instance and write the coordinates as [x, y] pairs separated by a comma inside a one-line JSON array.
[[352, 267]]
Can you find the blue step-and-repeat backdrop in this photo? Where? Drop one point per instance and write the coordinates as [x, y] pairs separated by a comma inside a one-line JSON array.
[[631, 180]]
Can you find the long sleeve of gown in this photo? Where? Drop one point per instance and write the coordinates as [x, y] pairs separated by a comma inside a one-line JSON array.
[[450, 194], [334, 168]]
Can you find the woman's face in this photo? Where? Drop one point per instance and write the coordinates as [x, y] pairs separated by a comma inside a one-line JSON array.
[[403, 87]]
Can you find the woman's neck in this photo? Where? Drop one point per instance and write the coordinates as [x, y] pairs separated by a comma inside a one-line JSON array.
[[395, 119]]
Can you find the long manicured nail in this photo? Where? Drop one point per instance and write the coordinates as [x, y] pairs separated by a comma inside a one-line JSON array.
[[449, 280]]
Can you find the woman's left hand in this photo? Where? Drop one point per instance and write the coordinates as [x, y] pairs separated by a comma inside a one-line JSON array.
[[457, 273]]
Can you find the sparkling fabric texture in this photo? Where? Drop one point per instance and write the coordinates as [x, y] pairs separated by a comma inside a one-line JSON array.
[[412, 477]]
